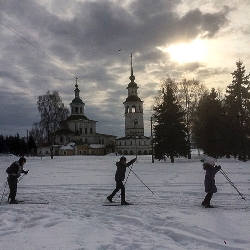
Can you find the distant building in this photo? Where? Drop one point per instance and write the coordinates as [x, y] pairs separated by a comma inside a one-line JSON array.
[[134, 142], [77, 134]]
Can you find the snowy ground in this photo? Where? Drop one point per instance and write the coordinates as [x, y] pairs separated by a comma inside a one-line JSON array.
[[171, 218]]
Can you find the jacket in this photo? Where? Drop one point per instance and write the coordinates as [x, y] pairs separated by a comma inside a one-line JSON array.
[[15, 170], [121, 170], [209, 181]]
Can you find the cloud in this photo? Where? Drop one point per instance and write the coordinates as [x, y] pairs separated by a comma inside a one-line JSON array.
[[46, 44]]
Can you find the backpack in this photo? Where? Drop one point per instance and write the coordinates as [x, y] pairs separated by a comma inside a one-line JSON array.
[[8, 170], [13, 168]]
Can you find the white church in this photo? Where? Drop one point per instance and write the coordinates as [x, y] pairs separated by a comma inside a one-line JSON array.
[[77, 134]]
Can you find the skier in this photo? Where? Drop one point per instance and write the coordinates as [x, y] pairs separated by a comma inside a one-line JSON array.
[[209, 182], [14, 172], [119, 178]]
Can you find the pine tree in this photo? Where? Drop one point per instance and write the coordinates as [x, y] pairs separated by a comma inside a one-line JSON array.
[[170, 132], [209, 125], [237, 104]]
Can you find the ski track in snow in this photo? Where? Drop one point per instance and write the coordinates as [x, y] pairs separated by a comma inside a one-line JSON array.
[[172, 218]]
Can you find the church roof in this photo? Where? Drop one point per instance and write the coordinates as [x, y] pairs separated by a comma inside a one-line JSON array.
[[77, 100], [133, 137], [132, 84], [133, 98], [77, 117]]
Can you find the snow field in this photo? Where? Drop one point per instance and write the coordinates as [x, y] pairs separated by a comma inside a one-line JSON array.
[[171, 218]]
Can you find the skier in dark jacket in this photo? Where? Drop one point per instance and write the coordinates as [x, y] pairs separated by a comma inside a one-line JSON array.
[[14, 172], [119, 178], [209, 182]]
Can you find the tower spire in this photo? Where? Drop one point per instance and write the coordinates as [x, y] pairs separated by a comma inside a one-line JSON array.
[[131, 64], [132, 77], [77, 91], [76, 82]]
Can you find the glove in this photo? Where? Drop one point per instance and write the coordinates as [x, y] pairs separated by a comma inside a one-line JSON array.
[[218, 167], [26, 172]]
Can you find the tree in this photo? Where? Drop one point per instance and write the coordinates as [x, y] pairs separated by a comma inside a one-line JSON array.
[[32, 146], [170, 131], [52, 111], [3, 147], [16, 145], [237, 104], [188, 93], [209, 125]]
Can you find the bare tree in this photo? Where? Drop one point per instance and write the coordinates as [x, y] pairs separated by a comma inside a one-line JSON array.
[[189, 92], [52, 111]]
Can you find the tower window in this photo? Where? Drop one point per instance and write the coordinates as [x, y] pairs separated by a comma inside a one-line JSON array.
[[76, 110], [133, 109], [126, 109]]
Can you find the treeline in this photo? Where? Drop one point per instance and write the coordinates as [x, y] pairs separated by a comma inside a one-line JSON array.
[[186, 113], [17, 145], [52, 112]]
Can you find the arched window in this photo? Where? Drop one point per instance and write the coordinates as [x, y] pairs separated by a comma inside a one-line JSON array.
[[126, 109], [133, 109]]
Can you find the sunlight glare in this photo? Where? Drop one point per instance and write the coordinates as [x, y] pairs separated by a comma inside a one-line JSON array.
[[192, 52]]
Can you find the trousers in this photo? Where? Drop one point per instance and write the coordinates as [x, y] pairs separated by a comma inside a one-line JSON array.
[[119, 186], [12, 181]]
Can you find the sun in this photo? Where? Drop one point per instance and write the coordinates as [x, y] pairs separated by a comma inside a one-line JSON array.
[[184, 53]]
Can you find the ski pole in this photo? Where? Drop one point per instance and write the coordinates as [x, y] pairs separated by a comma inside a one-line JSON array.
[[128, 175], [4, 191], [21, 177], [228, 179], [141, 180]]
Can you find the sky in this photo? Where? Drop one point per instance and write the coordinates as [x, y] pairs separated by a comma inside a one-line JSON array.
[[46, 44]]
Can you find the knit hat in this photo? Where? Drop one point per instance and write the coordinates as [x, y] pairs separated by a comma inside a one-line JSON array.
[[210, 161], [123, 158]]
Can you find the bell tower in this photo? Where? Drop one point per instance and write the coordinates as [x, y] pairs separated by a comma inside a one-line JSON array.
[[77, 105], [134, 125]]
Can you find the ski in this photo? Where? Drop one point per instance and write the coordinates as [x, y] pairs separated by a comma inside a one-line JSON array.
[[113, 204], [25, 202], [32, 202]]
